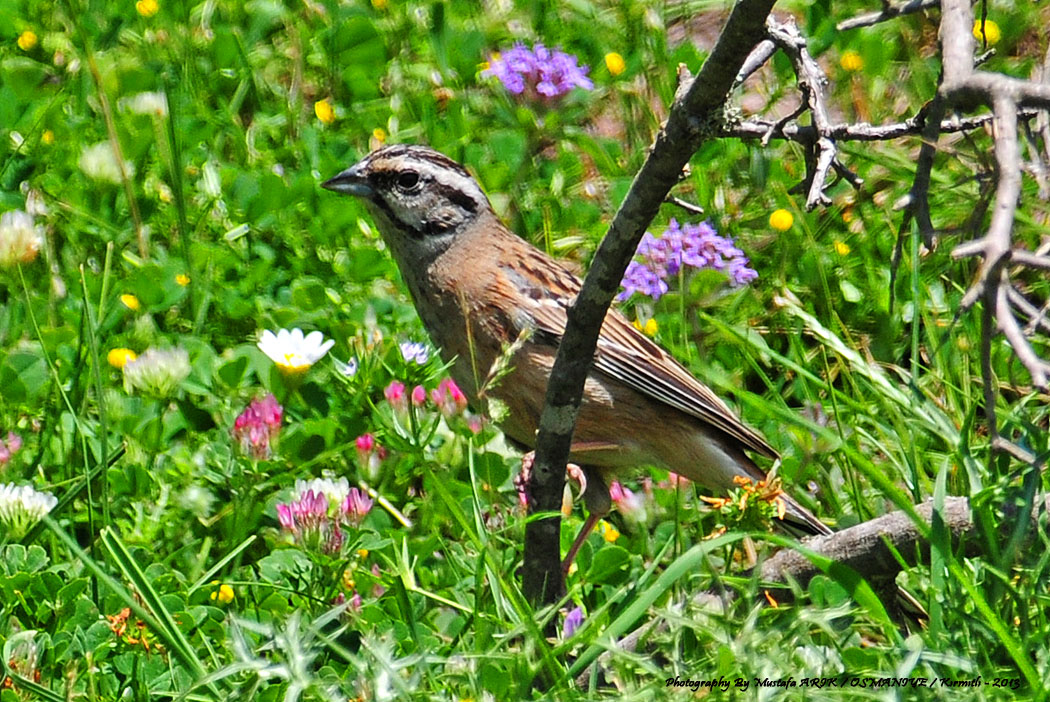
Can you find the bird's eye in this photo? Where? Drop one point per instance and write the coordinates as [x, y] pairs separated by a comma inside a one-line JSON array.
[[407, 180]]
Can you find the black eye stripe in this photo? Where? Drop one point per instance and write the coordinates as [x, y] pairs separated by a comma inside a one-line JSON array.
[[391, 179], [455, 196]]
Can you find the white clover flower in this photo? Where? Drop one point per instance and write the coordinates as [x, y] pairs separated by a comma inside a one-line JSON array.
[[157, 372], [100, 163], [291, 351], [20, 238], [146, 104], [21, 507], [335, 490]]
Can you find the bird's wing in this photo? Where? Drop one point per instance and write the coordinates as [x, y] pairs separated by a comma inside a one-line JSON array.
[[624, 353]]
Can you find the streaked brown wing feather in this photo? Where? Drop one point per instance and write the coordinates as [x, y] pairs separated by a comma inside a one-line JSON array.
[[626, 355]]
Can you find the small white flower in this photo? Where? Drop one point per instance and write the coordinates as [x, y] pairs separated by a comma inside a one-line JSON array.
[[157, 372], [291, 351], [21, 507], [414, 352], [146, 104], [100, 163], [20, 238], [348, 369], [335, 490]]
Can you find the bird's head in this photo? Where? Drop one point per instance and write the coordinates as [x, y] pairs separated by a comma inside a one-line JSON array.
[[421, 199]]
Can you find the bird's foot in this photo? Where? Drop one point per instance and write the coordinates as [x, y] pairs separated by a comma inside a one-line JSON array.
[[521, 482]]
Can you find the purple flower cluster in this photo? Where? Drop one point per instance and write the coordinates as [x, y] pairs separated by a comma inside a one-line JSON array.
[[307, 518], [414, 352], [538, 71], [680, 246], [257, 426]]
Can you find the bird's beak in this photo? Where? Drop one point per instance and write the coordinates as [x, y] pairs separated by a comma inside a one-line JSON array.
[[350, 182]]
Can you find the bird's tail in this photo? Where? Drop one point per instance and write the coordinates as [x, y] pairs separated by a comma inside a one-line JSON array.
[[799, 521]]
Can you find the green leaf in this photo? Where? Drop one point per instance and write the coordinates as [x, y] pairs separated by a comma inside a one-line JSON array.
[[232, 372], [610, 565]]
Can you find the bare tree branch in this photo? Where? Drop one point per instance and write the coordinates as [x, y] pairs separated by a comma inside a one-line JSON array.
[[887, 12], [869, 548], [754, 61], [805, 134], [963, 86], [1036, 317], [812, 81], [687, 206], [690, 121]]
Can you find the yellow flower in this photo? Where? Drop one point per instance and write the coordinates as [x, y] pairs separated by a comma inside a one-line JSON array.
[[362, 553], [991, 33], [223, 595], [182, 279], [118, 358], [348, 579], [851, 61], [147, 8], [609, 532], [27, 40], [48, 137], [379, 4], [379, 134], [615, 63], [781, 220], [324, 111], [650, 327], [130, 301], [842, 248]]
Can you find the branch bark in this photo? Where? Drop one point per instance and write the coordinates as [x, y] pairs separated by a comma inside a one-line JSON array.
[[692, 119]]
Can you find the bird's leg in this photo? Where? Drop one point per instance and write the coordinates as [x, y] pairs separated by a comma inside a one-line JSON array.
[[521, 482], [592, 486], [596, 497]]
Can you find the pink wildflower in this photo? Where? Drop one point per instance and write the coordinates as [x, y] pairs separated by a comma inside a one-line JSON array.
[[377, 589], [419, 396], [395, 395], [449, 399], [629, 504], [356, 506], [9, 447], [370, 454], [257, 427]]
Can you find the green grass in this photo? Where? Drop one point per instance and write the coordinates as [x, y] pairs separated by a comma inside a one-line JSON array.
[[865, 379]]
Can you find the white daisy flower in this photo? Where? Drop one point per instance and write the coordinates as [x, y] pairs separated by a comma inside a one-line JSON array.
[[291, 351]]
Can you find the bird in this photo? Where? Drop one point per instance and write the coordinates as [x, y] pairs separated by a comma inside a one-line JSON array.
[[486, 295]]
